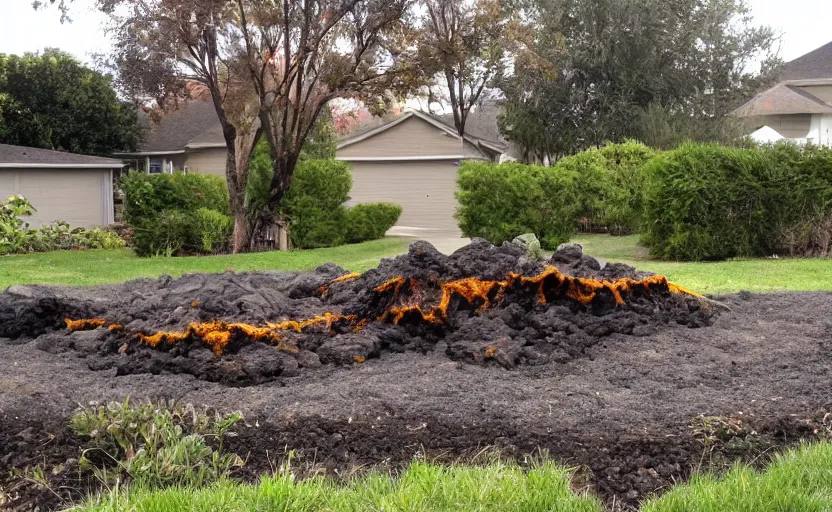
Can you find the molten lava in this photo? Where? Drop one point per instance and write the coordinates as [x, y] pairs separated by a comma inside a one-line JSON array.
[[402, 300]]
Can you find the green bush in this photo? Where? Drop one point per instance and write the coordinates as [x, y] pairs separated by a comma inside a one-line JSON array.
[[622, 209], [500, 202], [148, 194], [169, 233], [170, 213], [16, 237], [212, 229], [314, 203], [704, 202], [369, 221], [709, 202], [15, 234], [155, 446]]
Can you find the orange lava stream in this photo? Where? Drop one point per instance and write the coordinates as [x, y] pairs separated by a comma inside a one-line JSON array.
[[217, 334], [582, 290]]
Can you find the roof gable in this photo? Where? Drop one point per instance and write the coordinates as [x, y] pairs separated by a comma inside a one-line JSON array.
[[411, 136]]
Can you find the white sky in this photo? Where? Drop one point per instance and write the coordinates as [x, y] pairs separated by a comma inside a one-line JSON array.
[[804, 24]]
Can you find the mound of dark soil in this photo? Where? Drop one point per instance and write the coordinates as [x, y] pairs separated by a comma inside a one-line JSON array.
[[482, 304]]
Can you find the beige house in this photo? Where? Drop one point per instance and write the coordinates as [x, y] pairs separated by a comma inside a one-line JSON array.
[[411, 161], [62, 186], [799, 107]]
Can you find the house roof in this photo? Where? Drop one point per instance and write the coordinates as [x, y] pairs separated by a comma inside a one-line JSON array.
[[24, 157], [815, 64], [786, 98], [176, 129], [437, 121], [195, 125]]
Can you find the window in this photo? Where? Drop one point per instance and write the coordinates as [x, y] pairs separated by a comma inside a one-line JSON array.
[[156, 166]]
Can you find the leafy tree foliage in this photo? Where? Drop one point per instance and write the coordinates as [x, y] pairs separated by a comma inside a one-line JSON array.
[[52, 101], [468, 44], [270, 68], [606, 70]]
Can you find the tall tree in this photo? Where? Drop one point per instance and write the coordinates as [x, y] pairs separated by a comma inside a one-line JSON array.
[[269, 66], [615, 65], [468, 43], [50, 100]]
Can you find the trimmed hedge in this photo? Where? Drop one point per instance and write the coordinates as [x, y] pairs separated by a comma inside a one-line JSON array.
[[148, 194], [710, 202], [500, 202], [314, 203], [600, 188], [369, 221], [622, 212], [174, 214]]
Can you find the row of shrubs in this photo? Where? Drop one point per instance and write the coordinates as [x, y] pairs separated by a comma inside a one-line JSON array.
[[16, 237], [173, 214], [176, 214], [697, 202], [601, 186], [710, 202]]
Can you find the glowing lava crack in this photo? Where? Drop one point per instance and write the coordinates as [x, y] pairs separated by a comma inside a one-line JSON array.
[[403, 300]]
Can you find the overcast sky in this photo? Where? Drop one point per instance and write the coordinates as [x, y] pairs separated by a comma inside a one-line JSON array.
[[803, 23]]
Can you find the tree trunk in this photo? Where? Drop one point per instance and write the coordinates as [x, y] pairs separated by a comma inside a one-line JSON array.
[[237, 199], [242, 236]]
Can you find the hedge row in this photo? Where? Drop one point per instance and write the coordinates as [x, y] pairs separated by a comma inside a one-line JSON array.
[[175, 214], [710, 202], [598, 186]]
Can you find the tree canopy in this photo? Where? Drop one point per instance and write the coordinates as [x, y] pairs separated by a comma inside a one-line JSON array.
[[606, 70], [269, 66], [50, 100]]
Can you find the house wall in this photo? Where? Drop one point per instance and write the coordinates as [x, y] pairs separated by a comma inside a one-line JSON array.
[[413, 137], [81, 197], [207, 161], [823, 92], [792, 126], [820, 130], [424, 190]]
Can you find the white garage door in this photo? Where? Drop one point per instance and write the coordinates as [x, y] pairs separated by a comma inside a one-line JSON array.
[[424, 190], [77, 196]]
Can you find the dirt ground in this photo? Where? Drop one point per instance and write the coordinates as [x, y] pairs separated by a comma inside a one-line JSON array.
[[619, 406]]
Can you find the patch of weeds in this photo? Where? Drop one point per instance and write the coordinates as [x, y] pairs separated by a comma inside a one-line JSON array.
[[723, 438], [155, 445]]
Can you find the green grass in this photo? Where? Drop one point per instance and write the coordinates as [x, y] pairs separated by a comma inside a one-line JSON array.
[[113, 266], [797, 481], [100, 267], [756, 275], [422, 487]]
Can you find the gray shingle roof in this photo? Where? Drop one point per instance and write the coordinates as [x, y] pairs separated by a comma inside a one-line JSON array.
[[783, 99], [21, 156], [177, 128], [815, 64]]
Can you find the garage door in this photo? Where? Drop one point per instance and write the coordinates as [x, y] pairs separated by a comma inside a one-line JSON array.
[[76, 196], [424, 190]]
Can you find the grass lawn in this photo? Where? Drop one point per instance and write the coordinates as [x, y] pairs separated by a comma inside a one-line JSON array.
[[113, 266], [100, 267], [799, 480], [756, 275]]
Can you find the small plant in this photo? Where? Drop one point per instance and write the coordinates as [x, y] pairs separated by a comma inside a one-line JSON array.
[[14, 232], [155, 445]]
